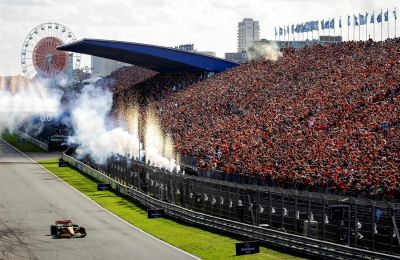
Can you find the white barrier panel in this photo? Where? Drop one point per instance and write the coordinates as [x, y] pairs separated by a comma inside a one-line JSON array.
[[34, 141], [97, 175]]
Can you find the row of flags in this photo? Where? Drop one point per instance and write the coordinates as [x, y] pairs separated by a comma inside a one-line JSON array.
[[327, 24]]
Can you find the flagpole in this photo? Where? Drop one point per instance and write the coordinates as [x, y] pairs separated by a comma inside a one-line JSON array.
[[348, 29], [381, 27], [334, 29], [374, 24], [395, 21], [354, 29], [359, 28], [388, 22], [341, 32], [366, 27], [329, 30]]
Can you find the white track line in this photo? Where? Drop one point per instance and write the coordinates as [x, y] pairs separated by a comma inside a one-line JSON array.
[[165, 243]]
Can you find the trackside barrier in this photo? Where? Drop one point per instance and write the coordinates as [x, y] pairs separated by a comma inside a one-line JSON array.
[[295, 243], [34, 141]]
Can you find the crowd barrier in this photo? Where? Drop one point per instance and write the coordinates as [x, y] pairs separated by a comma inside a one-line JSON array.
[[195, 201], [32, 140]]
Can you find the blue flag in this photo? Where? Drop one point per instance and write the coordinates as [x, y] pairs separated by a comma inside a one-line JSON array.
[[386, 16], [379, 18], [315, 25], [332, 24], [322, 25], [326, 25], [372, 19], [348, 21], [280, 31], [355, 21], [305, 27], [363, 19], [340, 22], [292, 28], [395, 14]]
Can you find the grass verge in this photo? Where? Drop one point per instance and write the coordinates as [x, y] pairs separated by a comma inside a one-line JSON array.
[[22, 146], [202, 243]]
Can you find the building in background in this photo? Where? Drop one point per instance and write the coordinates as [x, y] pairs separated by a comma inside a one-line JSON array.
[[102, 67], [239, 57], [186, 47], [190, 48], [248, 32], [69, 72], [209, 53]]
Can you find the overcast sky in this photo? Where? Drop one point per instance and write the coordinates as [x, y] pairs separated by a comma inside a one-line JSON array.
[[210, 24]]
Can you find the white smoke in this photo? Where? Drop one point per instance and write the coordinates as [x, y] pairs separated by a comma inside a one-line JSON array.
[[21, 100], [268, 51], [92, 132], [96, 137], [159, 148]]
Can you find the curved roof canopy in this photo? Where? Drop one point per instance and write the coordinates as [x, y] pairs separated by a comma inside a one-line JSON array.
[[153, 57]]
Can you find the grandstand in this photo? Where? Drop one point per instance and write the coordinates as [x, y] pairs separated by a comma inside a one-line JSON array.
[[320, 118]]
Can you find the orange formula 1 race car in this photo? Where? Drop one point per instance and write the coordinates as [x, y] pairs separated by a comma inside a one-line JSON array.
[[65, 229]]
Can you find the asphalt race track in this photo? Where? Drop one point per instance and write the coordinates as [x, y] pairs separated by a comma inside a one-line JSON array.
[[32, 198]]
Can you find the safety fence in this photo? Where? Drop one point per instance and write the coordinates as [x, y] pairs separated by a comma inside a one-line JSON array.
[[32, 140], [334, 226]]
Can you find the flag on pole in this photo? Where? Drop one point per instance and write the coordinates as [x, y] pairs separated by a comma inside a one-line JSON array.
[[386, 16], [322, 25], [340, 22], [348, 20], [372, 18], [326, 25], [355, 21], [280, 31], [332, 24], [292, 28], [395, 14], [379, 18], [276, 33], [363, 19]]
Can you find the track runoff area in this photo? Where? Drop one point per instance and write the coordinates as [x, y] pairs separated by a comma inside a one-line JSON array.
[[31, 199]]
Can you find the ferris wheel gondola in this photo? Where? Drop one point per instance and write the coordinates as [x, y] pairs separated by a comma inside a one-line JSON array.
[[39, 56]]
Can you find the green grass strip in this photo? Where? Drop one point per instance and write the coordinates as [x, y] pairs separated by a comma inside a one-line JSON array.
[[25, 146], [202, 243]]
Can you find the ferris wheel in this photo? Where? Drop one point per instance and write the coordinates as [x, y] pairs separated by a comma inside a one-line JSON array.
[[39, 56]]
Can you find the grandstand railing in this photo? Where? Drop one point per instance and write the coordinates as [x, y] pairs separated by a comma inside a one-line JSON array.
[[190, 165], [370, 225]]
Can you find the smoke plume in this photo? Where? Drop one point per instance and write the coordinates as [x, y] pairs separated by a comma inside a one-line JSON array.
[[268, 51], [93, 133], [97, 134], [159, 148], [21, 100]]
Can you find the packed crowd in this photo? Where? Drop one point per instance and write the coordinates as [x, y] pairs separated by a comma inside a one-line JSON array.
[[146, 87], [326, 116]]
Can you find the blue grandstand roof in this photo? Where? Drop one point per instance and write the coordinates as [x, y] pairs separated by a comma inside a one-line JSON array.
[[153, 57]]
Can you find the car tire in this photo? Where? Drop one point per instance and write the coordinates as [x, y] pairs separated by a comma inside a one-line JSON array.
[[54, 230], [82, 230]]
